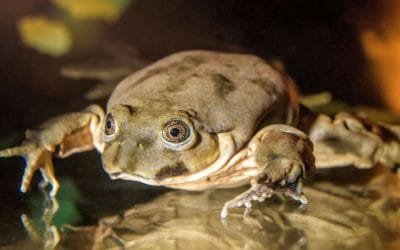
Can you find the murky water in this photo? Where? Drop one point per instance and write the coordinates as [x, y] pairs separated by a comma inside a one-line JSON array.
[[345, 214]]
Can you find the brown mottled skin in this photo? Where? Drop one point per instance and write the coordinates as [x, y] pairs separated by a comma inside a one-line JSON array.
[[222, 91], [197, 120]]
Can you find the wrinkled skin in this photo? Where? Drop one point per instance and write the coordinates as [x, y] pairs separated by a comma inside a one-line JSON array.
[[137, 141], [199, 120]]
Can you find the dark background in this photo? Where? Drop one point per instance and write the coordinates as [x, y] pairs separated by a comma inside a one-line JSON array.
[[316, 40]]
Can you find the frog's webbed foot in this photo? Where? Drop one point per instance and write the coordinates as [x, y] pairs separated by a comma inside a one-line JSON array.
[[257, 192], [349, 139], [36, 157], [284, 156], [62, 136], [263, 189]]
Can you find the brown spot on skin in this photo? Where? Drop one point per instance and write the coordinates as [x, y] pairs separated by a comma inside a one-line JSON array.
[[186, 64], [150, 73], [130, 109], [193, 60], [339, 146], [222, 85], [229, 65], [169, 171], [267, 85], [173, 89]]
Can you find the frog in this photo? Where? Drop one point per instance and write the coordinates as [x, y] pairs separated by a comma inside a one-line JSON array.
[[199, 120]]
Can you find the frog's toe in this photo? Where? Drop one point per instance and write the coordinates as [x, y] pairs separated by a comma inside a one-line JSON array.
[[32, 164], [39, 158], [48, 176], [257, 192], [31, 156], [16, 151], [264, 188], [36, 157], [295, 191]]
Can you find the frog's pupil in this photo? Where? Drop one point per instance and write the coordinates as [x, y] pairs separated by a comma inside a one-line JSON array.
[[109, 124], [174, 132]]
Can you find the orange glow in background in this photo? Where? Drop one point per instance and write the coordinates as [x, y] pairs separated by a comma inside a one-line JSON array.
[[381, 45]]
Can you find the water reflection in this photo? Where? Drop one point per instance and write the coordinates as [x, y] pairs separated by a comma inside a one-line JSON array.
[[342, 215]]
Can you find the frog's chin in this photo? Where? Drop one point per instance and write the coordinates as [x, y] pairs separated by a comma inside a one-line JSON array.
[[227, 149]]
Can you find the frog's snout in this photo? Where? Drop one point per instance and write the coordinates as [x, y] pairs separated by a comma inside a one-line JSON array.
[[112, 170]]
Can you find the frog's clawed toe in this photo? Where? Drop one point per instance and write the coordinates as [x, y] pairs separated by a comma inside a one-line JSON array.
[[36, 157], [296, 193], [259, 192]]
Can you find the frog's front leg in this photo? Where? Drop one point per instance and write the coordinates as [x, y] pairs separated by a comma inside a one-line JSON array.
[[62, 135], [284, 156]]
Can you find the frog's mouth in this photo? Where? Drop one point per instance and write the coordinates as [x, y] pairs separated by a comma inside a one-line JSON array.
[[191, 181]]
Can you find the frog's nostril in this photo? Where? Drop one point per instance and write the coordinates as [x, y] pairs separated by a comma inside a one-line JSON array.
[[139, 146]]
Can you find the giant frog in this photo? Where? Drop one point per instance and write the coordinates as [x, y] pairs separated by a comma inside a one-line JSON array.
[[198, 120]]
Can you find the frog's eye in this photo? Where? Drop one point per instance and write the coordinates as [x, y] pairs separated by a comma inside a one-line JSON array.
[[110, 126], [176, 133]]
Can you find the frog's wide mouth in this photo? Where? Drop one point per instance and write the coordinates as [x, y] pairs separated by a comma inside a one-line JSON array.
[[189, 181]]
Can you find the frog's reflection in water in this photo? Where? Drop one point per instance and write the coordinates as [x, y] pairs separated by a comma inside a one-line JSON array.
[[341, 215], [43, 229]]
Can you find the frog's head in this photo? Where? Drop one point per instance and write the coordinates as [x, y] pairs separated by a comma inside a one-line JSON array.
[[157, 146]]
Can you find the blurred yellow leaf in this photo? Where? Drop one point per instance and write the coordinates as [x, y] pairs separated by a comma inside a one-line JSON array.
[[108, 10], [46, 36]]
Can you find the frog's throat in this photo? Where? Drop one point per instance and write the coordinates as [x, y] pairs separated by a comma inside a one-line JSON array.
[[227, 149]]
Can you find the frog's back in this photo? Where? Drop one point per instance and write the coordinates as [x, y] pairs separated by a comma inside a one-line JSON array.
[[226, 92]]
